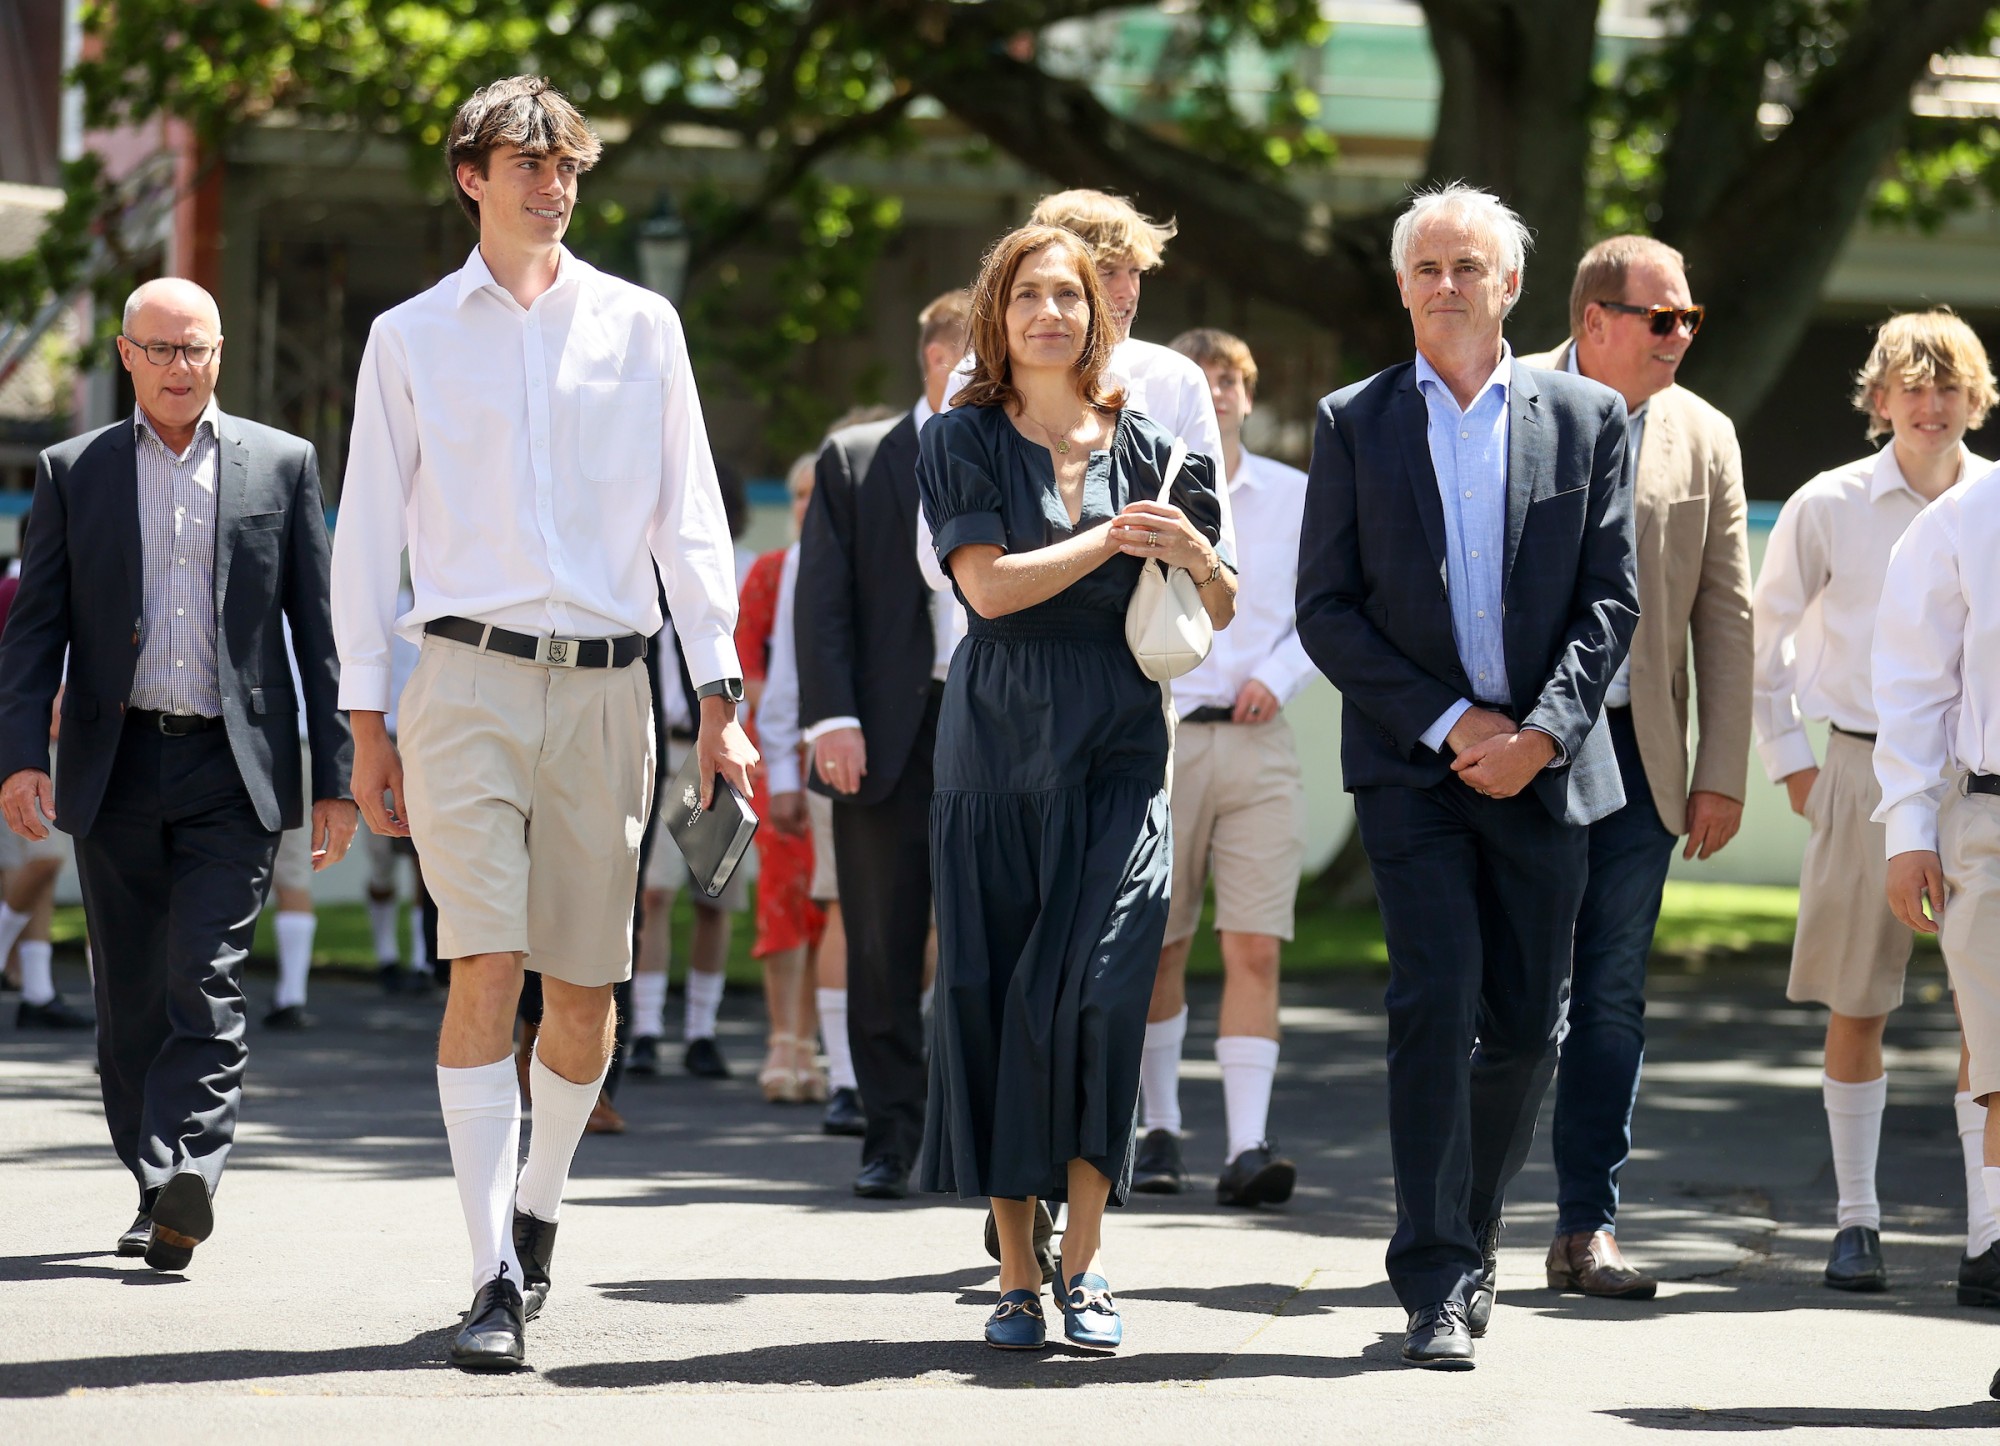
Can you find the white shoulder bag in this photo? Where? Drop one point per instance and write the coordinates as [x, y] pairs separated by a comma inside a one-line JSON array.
[[1166, 626]]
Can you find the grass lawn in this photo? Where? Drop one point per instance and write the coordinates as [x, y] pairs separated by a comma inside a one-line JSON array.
[[1700, 925]]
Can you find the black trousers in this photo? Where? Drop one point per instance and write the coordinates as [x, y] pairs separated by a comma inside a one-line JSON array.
[[1479, 899], [174, 873], [882, 860]]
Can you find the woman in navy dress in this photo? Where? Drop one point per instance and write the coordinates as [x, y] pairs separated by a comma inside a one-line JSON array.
[[1050, 848]]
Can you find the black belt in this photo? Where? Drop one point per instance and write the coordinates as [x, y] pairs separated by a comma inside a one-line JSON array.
[[1852, 733], [174, 725], [1982, 783], [550, 652], [1211, 715]]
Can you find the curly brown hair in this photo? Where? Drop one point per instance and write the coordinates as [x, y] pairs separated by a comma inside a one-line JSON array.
[[992, 369]]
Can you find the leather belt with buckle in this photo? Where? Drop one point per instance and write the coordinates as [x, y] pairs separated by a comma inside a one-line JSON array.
[[1211, 715], [1982, 783], [549, 652], [174, 725]]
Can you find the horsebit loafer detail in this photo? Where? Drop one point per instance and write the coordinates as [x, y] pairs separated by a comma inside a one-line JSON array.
[[1090, 1316], [1017, 1323]]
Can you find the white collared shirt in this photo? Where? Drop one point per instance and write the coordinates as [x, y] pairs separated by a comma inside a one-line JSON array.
[[1263, 641], [1618, 694], [1937, 717], [1816, 598], [537, 462], [778, 709]]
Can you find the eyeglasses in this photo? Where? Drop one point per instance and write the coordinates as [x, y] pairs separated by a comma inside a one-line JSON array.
[[161, 353], [1662, 319]]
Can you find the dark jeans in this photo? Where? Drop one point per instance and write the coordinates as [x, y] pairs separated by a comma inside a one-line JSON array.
[[1597, 1082], [1479, 899], [174, 872], [882, 860]]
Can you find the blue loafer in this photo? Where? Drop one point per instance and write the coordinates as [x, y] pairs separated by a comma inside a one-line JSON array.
[[1016, 1323], [1090, 1316]]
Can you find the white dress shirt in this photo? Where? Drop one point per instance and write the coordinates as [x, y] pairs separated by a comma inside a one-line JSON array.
[[176, 670], [778, 710], [1618, 694], [1936, 717], [529, 458], [1159, 381], [1815, 602], [1263, 641]]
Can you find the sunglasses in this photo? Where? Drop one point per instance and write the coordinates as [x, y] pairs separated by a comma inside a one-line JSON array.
[[1662, 319]]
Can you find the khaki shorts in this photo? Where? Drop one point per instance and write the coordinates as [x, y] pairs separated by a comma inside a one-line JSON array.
[[1239, 813], [1850, 954], [825, 887], [666, 866], [528, 789], [1969, 848]]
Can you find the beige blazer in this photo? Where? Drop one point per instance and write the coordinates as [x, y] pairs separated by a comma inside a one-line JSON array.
[[1690, 524]]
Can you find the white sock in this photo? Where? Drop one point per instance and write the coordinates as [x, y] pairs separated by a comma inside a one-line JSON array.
[[1854, 1121], [704, 1001], [1249, 1065], [482, 1119], [562, 1108], [38, 984], [1982, 1229], [420, 958], [1990, 1178], [833, 1033], [382, 924], [1160, 1072], [295, 956], [649, 1005], [11, 925]]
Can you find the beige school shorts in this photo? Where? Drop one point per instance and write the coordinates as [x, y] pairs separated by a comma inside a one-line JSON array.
[[825, 886], [1849, 954], [666, 865], [1969, 849], [528, 790], [1240, 816]]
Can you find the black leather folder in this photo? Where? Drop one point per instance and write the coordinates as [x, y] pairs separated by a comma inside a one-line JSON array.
[[713, 840]]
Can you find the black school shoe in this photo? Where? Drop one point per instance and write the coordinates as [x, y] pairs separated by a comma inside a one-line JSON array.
[[494, 1336], [1855, 1263], [1439, 1338], [132, 1244], [58, 1013], [182, 1217], [534, 1247], [1157, 1170], [704, 1059], [844, 1115], [644, 1055], [1255, 1177], [1979, 1277]]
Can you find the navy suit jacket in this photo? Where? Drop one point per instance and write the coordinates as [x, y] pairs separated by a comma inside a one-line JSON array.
[[81, 592], [1373, 611]]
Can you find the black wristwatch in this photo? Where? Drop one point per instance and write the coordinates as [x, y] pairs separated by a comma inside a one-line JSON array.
[[730, 690]]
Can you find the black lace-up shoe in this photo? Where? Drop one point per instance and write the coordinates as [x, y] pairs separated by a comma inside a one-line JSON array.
[[1479, 1313], [535, 1246], [1158, 1169], [1258, 1176], [494, 1336], [1439, 1338], [1855, 1263]]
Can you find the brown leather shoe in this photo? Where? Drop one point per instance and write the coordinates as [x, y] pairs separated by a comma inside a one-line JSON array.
[[1589, 1262], [603, 1119]]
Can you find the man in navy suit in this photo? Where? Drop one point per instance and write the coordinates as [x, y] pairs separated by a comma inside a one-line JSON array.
[[1466, 579]]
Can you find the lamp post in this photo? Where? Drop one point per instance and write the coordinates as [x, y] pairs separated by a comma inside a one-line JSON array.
[[664, 248]]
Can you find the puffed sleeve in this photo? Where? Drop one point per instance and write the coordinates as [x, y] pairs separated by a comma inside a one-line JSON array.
[[961, 497]]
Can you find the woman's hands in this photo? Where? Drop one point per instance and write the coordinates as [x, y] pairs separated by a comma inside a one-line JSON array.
[[1160, 532]]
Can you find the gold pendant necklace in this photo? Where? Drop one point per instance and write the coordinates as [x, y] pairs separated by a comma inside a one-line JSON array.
[[1062, 444]]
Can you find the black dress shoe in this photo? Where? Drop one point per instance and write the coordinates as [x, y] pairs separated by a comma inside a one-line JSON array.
[[883, 1178], [1479, 1311], [1856, 1260], [132, 1244], [1979, 1277], [182, 1219], [390, 977], [1158, 1169], [844, 1115], [535, 1246], [58, 1013], [704, 1060], [291, 1019], [1256, 1177], [1439, 1338], [494, 1336], [644, 1055], [1045, 1239], [419, 982]]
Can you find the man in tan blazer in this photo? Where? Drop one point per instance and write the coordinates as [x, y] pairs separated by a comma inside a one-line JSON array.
[[1631, 322]]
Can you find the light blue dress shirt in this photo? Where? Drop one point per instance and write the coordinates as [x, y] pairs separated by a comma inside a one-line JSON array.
[[1469, 454]]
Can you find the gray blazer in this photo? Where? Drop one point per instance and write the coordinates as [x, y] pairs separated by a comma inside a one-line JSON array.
[[81, 568]]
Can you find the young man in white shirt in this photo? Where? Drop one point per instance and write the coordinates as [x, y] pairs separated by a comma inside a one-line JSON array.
[[1937, 758], [1927, 381], [529, 428], [1239, 815]]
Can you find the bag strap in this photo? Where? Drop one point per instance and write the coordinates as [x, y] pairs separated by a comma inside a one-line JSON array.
[[1174, 460]]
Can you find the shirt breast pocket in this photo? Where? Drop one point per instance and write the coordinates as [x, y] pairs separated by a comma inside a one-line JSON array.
[[618, 429]]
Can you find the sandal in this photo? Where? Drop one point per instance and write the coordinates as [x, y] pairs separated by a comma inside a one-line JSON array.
[[806, 1073], [777, 1078]]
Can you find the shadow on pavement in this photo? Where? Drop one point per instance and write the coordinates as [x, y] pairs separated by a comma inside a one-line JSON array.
[[1979, 1416], [424, 1351]]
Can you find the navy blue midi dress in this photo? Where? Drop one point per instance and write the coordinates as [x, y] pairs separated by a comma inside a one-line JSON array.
[[1051, 850]]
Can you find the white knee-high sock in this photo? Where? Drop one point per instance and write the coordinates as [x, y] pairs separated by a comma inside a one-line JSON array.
[[11, 925], [38, 982], [1982, 1228], [1249, 1065], [1160, 1072], [295, 931], [1854, 1121], [1989, 1177], [704, 1002], [382, 925], [420, 957], [482, 1119], [649, 1005], [833, 1034], [562, 1108]]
